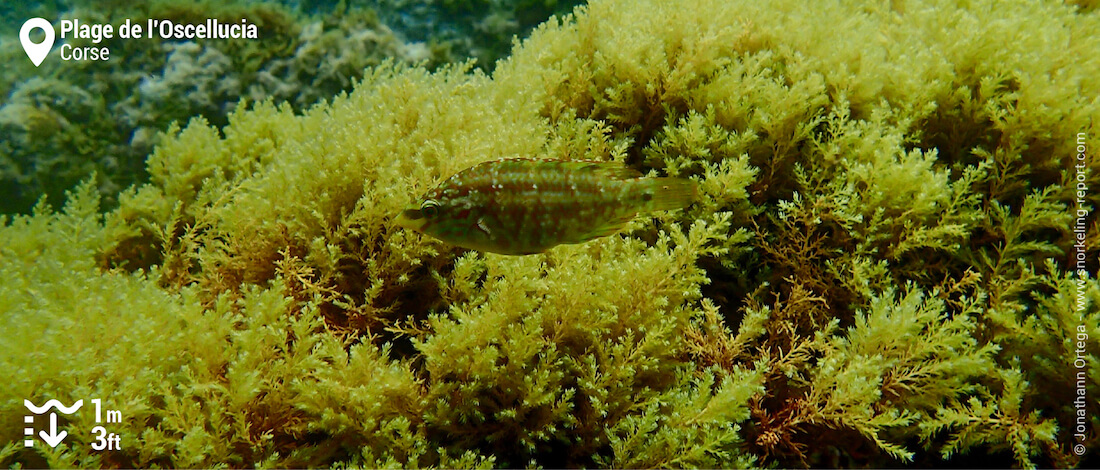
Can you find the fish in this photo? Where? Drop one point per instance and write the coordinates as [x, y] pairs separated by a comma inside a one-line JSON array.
[[521, 206]]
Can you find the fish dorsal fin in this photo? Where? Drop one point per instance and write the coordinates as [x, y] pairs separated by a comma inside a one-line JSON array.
[[612, 170]]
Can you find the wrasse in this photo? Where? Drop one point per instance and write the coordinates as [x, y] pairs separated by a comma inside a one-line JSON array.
[[524, 206]]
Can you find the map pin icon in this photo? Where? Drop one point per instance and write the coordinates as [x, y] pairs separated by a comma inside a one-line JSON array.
[[37, 52]]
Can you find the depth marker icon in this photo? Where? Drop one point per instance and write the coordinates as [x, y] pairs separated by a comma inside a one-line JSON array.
[[52, 438]]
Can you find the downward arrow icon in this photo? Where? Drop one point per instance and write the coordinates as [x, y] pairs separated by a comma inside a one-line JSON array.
[[53, 438]]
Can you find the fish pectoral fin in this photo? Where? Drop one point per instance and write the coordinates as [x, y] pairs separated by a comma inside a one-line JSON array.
[[484, 228]]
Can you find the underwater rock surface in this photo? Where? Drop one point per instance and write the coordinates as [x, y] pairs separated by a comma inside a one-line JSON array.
[[882, 268]]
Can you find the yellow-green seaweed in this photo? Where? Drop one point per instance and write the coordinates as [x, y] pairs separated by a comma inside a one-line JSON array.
[[880, 271]]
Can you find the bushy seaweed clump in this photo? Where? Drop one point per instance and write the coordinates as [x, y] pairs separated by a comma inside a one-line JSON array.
[[879, 271]]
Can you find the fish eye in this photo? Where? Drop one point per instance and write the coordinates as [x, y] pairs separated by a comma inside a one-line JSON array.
[[429, 209]]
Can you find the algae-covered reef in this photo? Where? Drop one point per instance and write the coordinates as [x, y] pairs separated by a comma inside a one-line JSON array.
[[881, 269], [66, 120]]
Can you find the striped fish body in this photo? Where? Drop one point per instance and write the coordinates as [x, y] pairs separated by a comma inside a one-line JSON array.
[[524, 206]]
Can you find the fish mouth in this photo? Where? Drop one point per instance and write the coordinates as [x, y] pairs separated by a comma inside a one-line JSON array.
[[411, 219]]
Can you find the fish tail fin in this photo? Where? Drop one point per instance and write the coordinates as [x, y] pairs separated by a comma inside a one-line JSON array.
[[662, 194]]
